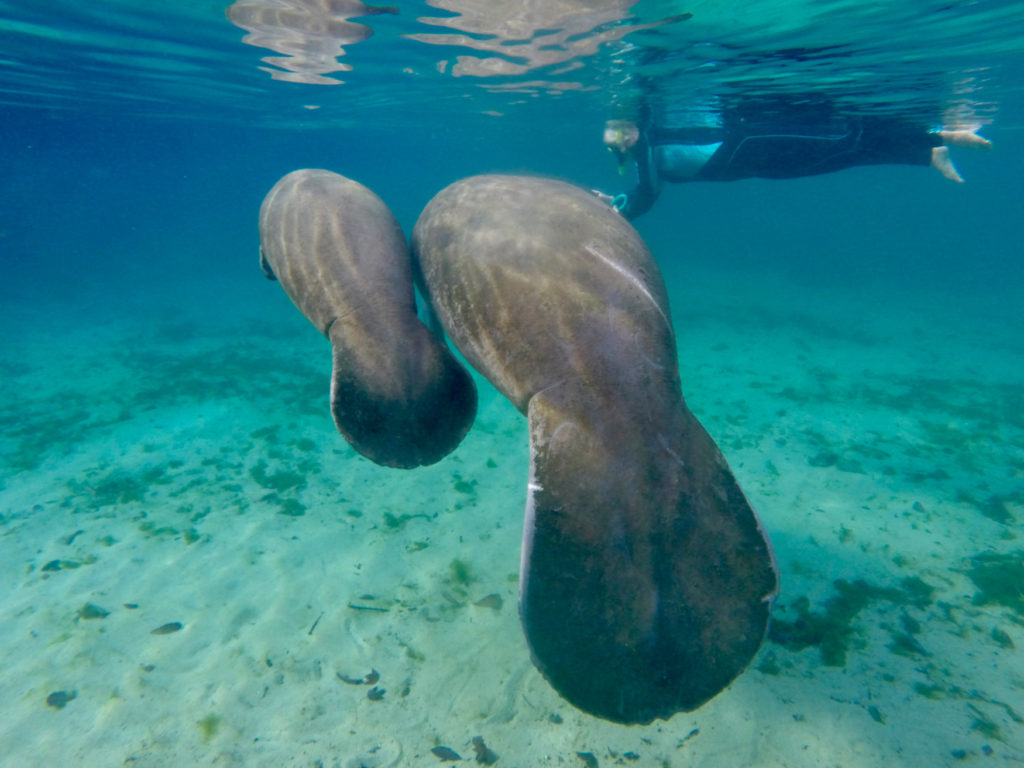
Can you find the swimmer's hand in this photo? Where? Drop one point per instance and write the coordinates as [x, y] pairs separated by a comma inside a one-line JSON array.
[[618, 202]]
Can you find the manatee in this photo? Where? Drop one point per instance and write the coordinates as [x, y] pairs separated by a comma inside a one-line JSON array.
[[646, 578], [398, 395]]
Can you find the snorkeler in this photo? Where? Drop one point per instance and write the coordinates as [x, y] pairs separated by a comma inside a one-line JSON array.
[[774, 145]]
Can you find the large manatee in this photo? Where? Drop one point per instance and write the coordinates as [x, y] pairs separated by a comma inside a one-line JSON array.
[[397, 393], [646, 578]]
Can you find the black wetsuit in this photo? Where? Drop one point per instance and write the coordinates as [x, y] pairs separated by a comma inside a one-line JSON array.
[[779, 151]]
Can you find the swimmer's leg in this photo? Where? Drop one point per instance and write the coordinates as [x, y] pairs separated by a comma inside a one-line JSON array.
[[964, 139], [942, 162], [961, 138]]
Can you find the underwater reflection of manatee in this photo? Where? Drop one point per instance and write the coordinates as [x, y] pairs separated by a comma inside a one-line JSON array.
[[518, 36], [310, 35], [646, 578]]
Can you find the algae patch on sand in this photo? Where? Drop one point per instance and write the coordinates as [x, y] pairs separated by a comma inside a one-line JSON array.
[[209, 726], [832, 629], [999, 579]]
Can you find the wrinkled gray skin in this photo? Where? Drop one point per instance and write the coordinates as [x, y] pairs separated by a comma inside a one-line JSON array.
[[646, 578], [397, 394]]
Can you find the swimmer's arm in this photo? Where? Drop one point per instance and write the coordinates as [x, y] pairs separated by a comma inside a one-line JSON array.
[[632, 147]]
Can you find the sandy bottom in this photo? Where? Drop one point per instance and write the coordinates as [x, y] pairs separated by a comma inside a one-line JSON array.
[[195, 569]]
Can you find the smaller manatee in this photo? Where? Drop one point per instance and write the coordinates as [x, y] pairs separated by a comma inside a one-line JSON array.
[[398, 395]]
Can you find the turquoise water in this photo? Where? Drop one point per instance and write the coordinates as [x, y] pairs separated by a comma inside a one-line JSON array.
[[851, 341]]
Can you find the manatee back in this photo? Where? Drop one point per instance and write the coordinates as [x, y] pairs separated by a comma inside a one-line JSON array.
[[537, 281], [335, 246]]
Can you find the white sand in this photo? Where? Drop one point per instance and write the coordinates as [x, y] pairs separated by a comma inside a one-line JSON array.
[[149, 446]]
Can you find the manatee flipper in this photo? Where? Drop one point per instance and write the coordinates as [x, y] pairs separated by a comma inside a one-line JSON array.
[[646, 578], [398, 395], [265, 266]]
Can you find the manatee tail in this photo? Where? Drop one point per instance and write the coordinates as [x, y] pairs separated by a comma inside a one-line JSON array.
[[413, 420], [646, 580]]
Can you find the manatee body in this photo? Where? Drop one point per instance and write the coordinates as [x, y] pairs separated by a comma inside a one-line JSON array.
[[397, 393], [646, 578]]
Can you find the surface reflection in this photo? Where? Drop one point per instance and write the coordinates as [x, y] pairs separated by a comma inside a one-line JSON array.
[[518, 37], [310, 35]]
